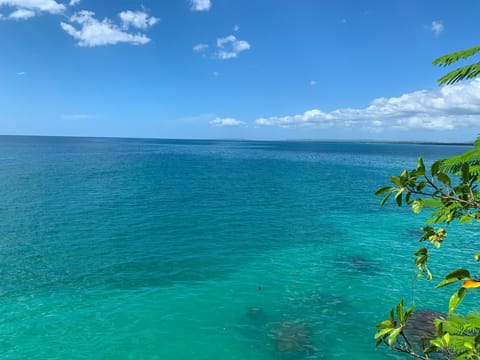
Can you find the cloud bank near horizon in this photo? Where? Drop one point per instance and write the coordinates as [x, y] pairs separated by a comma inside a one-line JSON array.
[[447, 108]]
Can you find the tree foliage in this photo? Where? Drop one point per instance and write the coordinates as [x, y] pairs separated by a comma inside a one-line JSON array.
[[462, 73], [449, 189]]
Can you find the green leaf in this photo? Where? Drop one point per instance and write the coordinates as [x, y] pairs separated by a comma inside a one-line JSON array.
[[384, 324], [417, 206], [465, 219], [398, 197], [454, 276], [393, 336], [395, 180], [420, 166], [456, 299], [383, 190], [465, 172], [434, 168], [383, 332], [451, 58], [459, 274], [463, 73], [444, 178], [432, 203], [384, 200], [421, 251], [400, 314]]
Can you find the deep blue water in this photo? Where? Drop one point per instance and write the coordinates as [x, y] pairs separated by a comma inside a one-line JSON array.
[[169, 249]]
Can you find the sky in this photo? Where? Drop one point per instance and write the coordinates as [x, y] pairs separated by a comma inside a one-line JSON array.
[[236, 69]]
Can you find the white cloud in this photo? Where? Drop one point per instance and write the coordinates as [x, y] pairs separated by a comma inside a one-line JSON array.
[[21, 14], [138, 19], [236, 28], [226, 122], [447, 108], [200, 5], [74, 2], [200, 47], [312, 82], [93, 32], [24, 9], [229, 47], [21, 73], [437, 27]]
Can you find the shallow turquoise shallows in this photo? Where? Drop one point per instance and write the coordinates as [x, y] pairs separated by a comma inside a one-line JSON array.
[[157, 249]]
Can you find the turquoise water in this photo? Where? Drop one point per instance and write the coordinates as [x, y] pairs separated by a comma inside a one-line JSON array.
[[156, 249]]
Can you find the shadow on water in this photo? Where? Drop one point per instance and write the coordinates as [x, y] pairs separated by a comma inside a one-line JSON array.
[[357, 264]]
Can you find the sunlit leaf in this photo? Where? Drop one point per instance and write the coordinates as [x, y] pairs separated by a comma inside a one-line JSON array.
[[469, 284], [456, 299]]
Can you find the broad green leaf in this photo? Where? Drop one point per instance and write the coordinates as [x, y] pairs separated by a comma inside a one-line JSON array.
[[459, 274], [432, 203], [454, 276], [456, 299], [444, 178], [434, 168]]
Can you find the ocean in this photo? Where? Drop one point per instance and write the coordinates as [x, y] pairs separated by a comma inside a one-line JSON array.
[[175, 249]]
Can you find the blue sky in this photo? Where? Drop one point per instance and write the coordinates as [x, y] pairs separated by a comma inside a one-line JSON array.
[[263, 69]]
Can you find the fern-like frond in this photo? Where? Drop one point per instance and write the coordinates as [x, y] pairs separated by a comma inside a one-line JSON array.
[[463, 73], [453, 164], [449, 59]]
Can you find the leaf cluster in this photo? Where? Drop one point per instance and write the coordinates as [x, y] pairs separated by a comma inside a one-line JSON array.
[[462, 73], [449, 190]]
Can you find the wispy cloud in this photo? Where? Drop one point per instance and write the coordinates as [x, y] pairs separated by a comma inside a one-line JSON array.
[[93, 32], [200, 47], [74, 2], [138, 19], [200, 5], [79, 116], [446, 108], [229, 47], [220, 122], [236, 28], [21, 73], [437, 27], [24, 9], [312, 82], [21, 14]]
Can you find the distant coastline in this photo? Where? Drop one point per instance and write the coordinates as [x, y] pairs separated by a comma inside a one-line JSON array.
[[330, 141]]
